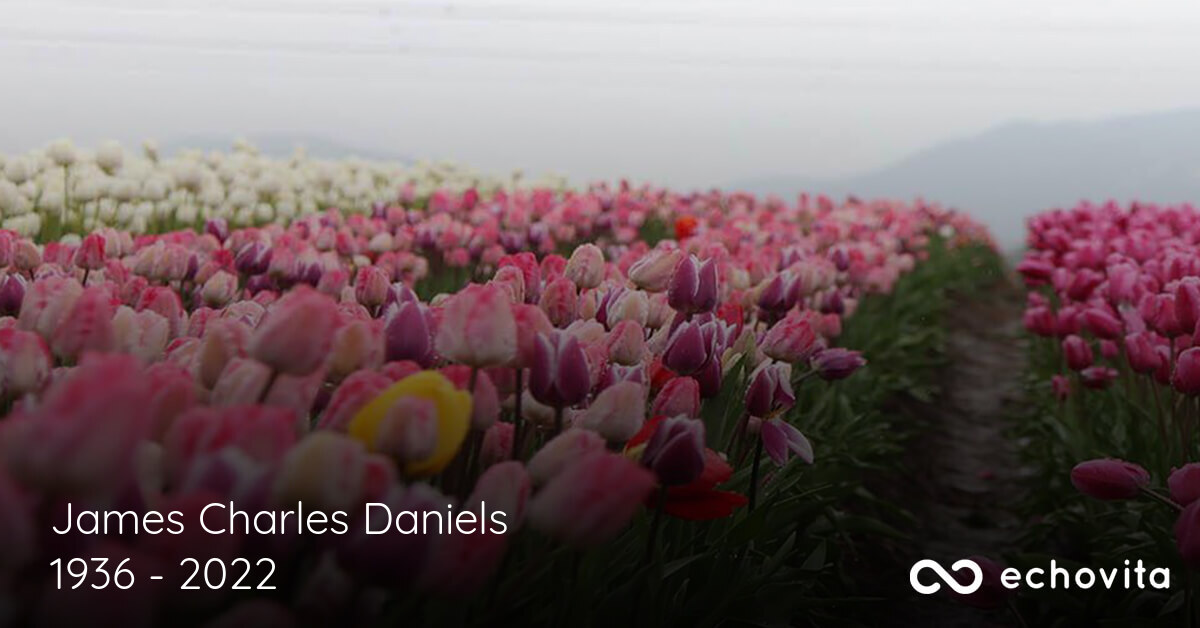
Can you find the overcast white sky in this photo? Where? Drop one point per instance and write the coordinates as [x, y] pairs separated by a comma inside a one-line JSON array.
[[683, 92]]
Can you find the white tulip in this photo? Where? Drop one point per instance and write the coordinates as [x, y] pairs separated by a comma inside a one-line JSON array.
[[62, 152], [110, 157]]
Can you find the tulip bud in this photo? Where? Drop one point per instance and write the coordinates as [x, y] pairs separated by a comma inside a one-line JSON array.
[[371, 286], [219, 290], [687, 352], [653, 271], [777, 296], [407, 337], [791, 340], [1184, 484], [497, 444], [12, 293], [1187, 303], [693, 287], [586, 266], [26, 256], [1186, 378], [562, 451], [559, 374], [1141, 351], [296, 335], [560, 302], [217, 228], [478, 328], [87, 327], [770, 389], [253, 259], [24, 362], [90, 254], [591, 501], [356, 345], [1102, 324], [530, 270], [1109, 479], [617, 412], [1077, 352], [680, 396], [531, 322], [626, 343], [512, 281], [675, 452], [837, 363]]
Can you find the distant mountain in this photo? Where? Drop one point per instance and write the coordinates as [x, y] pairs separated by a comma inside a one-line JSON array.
[[1016, 169], [282, 145]]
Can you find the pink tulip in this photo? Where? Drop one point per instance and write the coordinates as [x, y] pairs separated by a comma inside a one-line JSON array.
[[1110, 479], [585, 267], [791, 340], [1184, 484], [357, 344], [90, 254], [617, 413], [296, 334], [590, 501], [626, 343], [562, 451], [654, 270], [478, 328], [1102, 323], [485, 399], [371, 286], [84, 431], [87, 327], [781, 439], [24, 362], [219, 289], [1077, 352], [1186, 377], [1187, 303], [1098, 377], [560, 302], [1140, 349], [680, 396], [497, 444]]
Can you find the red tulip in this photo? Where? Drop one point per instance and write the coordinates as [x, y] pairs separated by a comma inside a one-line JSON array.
[[1186, 377], [1078, 352]]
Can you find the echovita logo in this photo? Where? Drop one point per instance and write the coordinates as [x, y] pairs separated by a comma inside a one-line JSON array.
[[1131, 576]]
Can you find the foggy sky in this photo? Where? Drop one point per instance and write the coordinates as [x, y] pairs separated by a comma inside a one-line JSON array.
[[681, 92]]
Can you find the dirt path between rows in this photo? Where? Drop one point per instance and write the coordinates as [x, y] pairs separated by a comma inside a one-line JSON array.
[[966, 479]]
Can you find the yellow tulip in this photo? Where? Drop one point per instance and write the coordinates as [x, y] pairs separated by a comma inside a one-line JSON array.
[[453, 417]]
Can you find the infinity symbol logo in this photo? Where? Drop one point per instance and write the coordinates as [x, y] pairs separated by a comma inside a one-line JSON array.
[[946, 576]]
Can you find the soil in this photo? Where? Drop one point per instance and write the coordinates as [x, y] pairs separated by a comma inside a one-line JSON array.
[[964, 474]]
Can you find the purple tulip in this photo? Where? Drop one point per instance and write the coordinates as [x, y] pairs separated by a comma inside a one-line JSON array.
[[693, 287], [837, 363], [407, 336], [559, 376], [675, 452], [770, 389]]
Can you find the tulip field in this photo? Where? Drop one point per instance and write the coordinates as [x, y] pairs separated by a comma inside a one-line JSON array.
[[653, 407]]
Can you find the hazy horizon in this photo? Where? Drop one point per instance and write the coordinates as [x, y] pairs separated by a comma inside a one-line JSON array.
[[687, 94]]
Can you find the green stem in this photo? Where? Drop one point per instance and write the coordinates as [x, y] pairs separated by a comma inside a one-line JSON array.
[[655, 524], [758, 447]]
